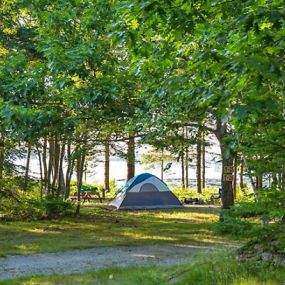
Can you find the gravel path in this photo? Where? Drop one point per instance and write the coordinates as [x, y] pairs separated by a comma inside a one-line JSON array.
[[93, 259]]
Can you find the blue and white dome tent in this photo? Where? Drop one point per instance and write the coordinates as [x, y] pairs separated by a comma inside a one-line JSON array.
[[145, 191]]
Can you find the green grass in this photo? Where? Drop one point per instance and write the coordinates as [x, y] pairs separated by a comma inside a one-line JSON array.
[[217, 269], [100, 228]]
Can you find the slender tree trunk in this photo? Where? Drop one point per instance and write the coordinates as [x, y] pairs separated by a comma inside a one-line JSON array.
[[198, 163], [186, 160], [50, 168], [107, 169], [27, 167], [187, 167], [182, 170], [259, 181], [2, 157], [161, 169], [79, 170], [203, 164], [56, 160], [241, 175], [283, 179], [41, 172], [235, 177], [45, 168], [131, 157], [61, 184], [85, 173], [69, 170]]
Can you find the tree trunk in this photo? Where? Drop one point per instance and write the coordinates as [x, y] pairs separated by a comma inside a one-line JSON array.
[[198, 163], [45, 168], [69, 171], [182, 170], [61, 184], [161, 169], [227, 161], [2, 156], [41, 172], [131, 157], [235, 178], [187, 167], [203, 164], [227, 187], [50, 167], [241, 175], [56, 159], [107, 169], [79, 170], [259, 181], [27, 168], [283, 180]]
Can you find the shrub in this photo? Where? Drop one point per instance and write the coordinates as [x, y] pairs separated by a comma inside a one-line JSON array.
[[233, 225], [192, 193], [31, 209], [55, 208]]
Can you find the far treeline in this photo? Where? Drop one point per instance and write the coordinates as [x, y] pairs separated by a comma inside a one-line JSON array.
[[77, 76]]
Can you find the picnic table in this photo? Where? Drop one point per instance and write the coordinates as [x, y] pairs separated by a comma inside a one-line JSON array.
[[87, 194]]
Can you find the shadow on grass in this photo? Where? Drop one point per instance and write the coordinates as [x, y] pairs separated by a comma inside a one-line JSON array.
[[97, 227]]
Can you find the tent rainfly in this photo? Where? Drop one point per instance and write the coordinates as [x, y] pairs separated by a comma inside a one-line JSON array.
[[145, 191]]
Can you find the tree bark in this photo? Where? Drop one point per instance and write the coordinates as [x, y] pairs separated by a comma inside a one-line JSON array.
[[60, 182], [182, 170], [69, 170], [198, 163], [45, 168], [241, 174], [131, 157], [27, 168], [203, 163], [259, 182], [107, 170], [2, 157], [79, 170], [161, 169], [187, 167], [227, 160], [41, 172], [50, 167], [56, 162], [235, 177]]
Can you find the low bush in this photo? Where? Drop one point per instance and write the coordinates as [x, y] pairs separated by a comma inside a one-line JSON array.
[[189, 193], [31, 209], [233, 225]]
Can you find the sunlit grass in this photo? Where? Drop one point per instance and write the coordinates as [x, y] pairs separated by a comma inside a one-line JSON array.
[[103, 228]]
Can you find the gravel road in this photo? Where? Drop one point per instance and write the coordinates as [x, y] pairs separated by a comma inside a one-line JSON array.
[[93, 259]]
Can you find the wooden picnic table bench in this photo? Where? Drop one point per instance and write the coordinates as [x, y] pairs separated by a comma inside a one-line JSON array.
[[86, 196]]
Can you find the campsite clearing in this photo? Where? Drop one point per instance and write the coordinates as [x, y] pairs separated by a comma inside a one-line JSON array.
[[98, 227]]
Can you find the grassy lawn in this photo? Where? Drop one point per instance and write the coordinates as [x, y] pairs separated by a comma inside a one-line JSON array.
[[99, 228], [217, 269]]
